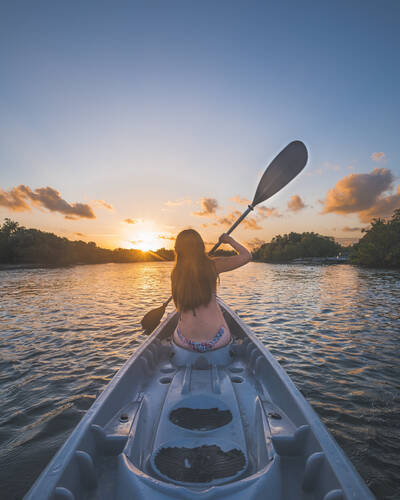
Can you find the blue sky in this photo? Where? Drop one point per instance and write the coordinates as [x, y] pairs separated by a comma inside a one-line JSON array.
[[144, 103]]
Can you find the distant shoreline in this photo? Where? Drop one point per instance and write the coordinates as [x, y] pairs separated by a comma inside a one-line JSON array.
[[15, 267], [11, 267]]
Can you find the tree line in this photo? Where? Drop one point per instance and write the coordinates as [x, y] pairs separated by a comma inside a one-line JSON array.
[[19, 245], [295, 246], [379, 247]]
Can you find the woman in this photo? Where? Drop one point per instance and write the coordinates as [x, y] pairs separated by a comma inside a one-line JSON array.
[[201, 326]]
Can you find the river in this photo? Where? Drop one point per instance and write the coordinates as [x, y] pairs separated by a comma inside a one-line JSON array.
[[64, 332]]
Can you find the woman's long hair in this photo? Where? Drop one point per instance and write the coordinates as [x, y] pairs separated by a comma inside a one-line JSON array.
[[194, 276]]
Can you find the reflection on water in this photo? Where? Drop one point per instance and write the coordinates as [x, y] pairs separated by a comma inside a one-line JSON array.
[[65, 332]]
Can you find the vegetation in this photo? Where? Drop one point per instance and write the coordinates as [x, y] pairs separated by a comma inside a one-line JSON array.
[[295, 245], [380, 246], [19, 245]]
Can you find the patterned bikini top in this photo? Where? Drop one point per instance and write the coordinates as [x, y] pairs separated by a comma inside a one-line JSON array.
[[201, 346]]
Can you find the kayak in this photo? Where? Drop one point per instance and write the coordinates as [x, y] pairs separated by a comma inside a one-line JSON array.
[[178, 424]]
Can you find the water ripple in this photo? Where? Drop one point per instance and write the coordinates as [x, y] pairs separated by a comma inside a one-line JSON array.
[[65, 332]]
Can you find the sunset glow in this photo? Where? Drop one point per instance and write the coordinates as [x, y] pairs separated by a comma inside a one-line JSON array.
[[147, 241], [161, 128]]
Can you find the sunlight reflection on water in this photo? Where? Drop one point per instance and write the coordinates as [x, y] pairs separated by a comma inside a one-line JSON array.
[[65, 332]]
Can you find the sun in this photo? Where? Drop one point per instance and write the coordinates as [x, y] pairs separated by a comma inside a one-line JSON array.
[[146, 241]]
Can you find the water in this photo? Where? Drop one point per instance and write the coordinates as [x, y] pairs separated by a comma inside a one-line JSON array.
[[65, 332]]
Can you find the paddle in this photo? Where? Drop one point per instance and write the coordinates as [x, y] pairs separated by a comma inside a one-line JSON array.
[[283, 168]]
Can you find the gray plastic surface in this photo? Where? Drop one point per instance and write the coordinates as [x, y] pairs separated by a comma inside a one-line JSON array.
[[287, 451]]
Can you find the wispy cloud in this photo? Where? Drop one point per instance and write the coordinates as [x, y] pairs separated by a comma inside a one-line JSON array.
[[265, 212], [208, 207], [296, 204], [331, 167], [130, 221], [178, 203], [164, 237], [363, 194], [104, 204], [240, 200], [347, 229], [49, 198], [255, 243], [378, 157], [14, 200], [229, 219]]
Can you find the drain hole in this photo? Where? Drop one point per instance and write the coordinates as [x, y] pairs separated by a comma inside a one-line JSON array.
[[237, 380], [236, 369], [200, 419], [165, 380], [199, 465], [168, 369]]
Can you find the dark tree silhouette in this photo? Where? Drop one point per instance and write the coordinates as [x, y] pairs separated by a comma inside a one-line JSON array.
[[19, 245], [380, 245], [295, 245]]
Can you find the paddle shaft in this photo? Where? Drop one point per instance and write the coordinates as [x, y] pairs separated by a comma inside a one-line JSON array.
[[244, 214]]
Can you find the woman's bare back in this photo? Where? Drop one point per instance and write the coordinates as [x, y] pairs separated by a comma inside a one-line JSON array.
[[202, 325]]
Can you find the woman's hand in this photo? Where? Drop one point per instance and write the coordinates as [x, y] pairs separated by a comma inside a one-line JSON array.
[[225, 238]]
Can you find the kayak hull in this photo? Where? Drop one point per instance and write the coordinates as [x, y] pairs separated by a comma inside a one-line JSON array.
[[176, 424]]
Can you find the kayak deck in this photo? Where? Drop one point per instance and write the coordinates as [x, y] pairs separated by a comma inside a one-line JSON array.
[[179, 424]]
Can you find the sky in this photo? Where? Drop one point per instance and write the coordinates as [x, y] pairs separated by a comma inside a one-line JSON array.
[[124, 122]]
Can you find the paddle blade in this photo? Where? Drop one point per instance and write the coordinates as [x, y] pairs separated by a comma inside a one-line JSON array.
[[152, 319], [283, 168]]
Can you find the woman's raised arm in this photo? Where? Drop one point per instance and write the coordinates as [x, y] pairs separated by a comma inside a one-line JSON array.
[[224, 264]]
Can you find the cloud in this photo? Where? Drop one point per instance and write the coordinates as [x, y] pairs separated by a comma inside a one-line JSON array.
[[347, 229], [178, 203], [229, 219], [251, 223], [162, 237], [130, 221], [255, 243], [241, 201], [80, 234], [363, 194], [265, 212], [347, 241], [13, 200], [104, 204], [378, 156], [296, 203], [384, 207], [48, 198], [208, 207], [331, 167]]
